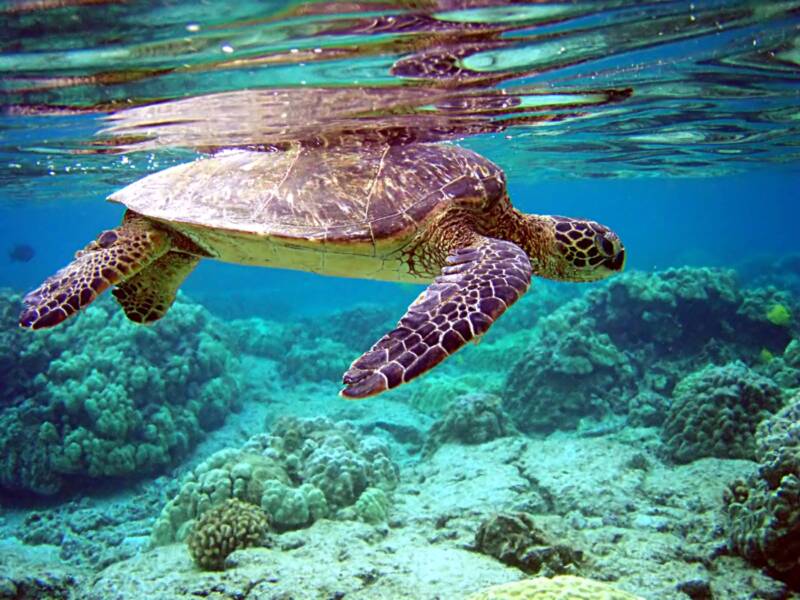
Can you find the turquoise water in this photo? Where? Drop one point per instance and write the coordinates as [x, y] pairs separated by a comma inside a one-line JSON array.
[[646, 423]]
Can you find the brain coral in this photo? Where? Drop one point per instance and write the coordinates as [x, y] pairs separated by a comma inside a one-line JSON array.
[[562, 587], [230, 526], [304, 470], [102, 397], [764, 511], [715, 411]]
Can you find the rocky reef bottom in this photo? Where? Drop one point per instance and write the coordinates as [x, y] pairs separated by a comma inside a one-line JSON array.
[[643, 435], [602, 507]]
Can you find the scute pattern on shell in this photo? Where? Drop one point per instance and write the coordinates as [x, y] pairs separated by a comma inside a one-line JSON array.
[[341, 192]]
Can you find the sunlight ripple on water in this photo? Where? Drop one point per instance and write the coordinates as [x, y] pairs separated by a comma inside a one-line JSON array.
[[588, 89]]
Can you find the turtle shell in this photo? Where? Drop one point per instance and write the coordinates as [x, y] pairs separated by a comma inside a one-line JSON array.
[[337, 193]]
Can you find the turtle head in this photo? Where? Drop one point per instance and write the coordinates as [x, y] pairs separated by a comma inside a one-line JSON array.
[[581, 250]]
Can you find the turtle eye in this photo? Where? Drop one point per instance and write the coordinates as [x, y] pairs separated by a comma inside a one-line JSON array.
[[604, 245], [106, 239]]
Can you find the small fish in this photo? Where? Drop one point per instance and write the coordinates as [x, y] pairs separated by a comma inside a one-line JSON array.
[[21, 253]]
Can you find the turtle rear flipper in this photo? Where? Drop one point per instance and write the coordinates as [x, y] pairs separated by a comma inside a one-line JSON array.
[[147, 296], [478, 284], [116, 255]]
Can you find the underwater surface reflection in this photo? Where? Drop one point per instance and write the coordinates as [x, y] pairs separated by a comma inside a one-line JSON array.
[[631, 438]]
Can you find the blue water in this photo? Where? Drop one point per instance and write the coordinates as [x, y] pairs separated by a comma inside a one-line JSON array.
[[673, 123]]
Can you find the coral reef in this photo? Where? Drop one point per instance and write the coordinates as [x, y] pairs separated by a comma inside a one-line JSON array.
[[434, 392], [357, 327], [570, 371], [555, 588], [715, 411], [647, 409], [644, 525], [771, 270], [764, 511], [293, 507], [784, 369], [470, 419], [332, 457], [315, 349], [303, 471], [301, 354], [17, 367], [372, 506], [514, 538], [231, 526], [106, 398], [638, 332], [229, 473]]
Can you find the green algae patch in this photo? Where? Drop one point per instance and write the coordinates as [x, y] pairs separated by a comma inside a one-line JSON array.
[[779, 315], [765, 356]]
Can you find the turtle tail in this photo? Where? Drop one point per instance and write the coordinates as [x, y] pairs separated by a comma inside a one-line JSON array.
[[115, 256]]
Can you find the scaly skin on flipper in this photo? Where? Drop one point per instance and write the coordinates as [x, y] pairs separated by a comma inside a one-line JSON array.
[[478, 284], [147, 296], [114, 256]]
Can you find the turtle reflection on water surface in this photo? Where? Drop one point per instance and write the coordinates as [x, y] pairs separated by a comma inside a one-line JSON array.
[[415, 212]]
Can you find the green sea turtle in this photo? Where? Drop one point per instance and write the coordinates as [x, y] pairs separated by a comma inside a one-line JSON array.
[[418, 212]]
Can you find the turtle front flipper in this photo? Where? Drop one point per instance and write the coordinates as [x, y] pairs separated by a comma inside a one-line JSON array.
[[478, 284], [147, 296], [116, 255]]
